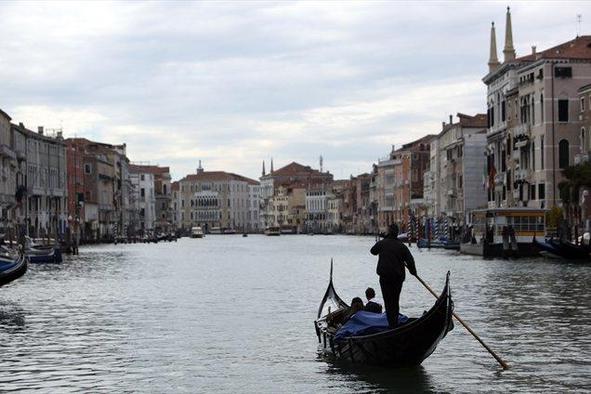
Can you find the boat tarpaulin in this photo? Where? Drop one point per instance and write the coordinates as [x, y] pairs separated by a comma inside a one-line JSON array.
[[365, 323]]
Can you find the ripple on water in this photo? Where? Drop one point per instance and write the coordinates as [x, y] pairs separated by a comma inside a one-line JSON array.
[[233, 314]]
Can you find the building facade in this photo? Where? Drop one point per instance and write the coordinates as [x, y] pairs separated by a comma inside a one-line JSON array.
[[217, 199], [534, 130]]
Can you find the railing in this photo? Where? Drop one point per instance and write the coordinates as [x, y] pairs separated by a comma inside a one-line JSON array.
[[499, 178], [581, 158], [523, 129], [522, 175]]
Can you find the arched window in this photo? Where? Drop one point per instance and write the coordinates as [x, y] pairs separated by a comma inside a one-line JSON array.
[[563, 154]]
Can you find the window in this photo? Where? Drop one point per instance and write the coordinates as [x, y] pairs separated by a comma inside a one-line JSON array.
[[142, 192], [563, 72], [541, 152], [541, 191], [563, 110], [563, 154], [532, 192], [583, 140], [542, 107], [533, 155], [582, 104], [503, 113], [142, 177], [87, 168]]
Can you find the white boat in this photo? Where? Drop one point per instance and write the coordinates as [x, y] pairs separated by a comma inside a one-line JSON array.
[[287, 230], [196, 232], [215, 230], [273, 230]]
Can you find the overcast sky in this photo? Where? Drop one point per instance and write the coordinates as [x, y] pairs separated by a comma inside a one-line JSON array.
[[236, 83]]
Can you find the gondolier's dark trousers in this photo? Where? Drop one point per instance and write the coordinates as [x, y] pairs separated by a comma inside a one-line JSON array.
[[391, 288]]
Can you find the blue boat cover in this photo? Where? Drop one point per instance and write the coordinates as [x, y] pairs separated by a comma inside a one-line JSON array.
[[365, 323]]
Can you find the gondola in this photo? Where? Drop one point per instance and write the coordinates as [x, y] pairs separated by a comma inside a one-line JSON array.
[[12, 268], [561, 249], [44, 255], [407, 345]]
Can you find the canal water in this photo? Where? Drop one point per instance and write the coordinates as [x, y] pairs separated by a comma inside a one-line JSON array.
[[233, 314]]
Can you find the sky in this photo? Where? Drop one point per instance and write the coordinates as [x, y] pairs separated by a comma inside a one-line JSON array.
[[236, 83]]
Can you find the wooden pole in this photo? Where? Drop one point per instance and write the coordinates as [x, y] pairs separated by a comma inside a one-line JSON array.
[[499, 360]]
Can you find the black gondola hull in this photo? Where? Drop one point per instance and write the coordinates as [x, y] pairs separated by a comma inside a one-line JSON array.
[[407, 345], [13, 272]]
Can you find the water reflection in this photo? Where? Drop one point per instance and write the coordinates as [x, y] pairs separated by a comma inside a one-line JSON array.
[[380, 379], [12, 318], [225, 314]]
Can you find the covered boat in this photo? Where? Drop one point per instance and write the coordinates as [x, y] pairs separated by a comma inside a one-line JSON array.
[[12, 267], [44, 255], [407, 345], [561, 249]]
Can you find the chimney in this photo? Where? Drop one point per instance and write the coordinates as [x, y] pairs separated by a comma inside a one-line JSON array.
[[199, 169], [533, 49], [21, 125], [451, 119], [442, 125], [40, 130]]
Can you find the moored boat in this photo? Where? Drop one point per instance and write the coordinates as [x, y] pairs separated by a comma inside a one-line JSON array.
[[43, 255], [12, 267], [561, 249], [197, 232], [407, 345], [441, 243], [273, 230]]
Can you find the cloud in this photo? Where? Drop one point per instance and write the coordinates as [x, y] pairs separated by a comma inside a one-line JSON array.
[[235, 83]]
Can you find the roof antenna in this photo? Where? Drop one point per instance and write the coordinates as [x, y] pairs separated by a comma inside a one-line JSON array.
[[579, 19]]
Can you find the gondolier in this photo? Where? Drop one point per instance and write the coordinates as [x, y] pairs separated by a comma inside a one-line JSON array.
[[393, 255]]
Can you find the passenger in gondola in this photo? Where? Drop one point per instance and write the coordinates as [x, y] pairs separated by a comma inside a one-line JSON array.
[[394, 256], [356, 306], [371, 305]]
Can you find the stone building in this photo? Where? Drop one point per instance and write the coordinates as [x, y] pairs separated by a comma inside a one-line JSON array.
[[455, 178], [384, 192], [163, 214], [317, 209], [290, 183], [45, 212], [409, 163], [100, 192], [8, 170], [217, 199], [534, 130], [144, 199]]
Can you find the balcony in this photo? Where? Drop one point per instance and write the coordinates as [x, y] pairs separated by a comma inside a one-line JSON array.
[[500, 179], [522, 130], [581, 158], [7, 152], [522, 175]]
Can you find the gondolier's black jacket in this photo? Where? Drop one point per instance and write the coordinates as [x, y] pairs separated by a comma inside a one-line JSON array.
[[393, 254]]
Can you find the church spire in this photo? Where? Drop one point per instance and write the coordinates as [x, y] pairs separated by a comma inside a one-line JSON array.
[[508, 51], [493, 60], [263, 168]]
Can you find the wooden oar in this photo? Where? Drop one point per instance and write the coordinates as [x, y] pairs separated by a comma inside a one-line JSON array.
[[503, 364]]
